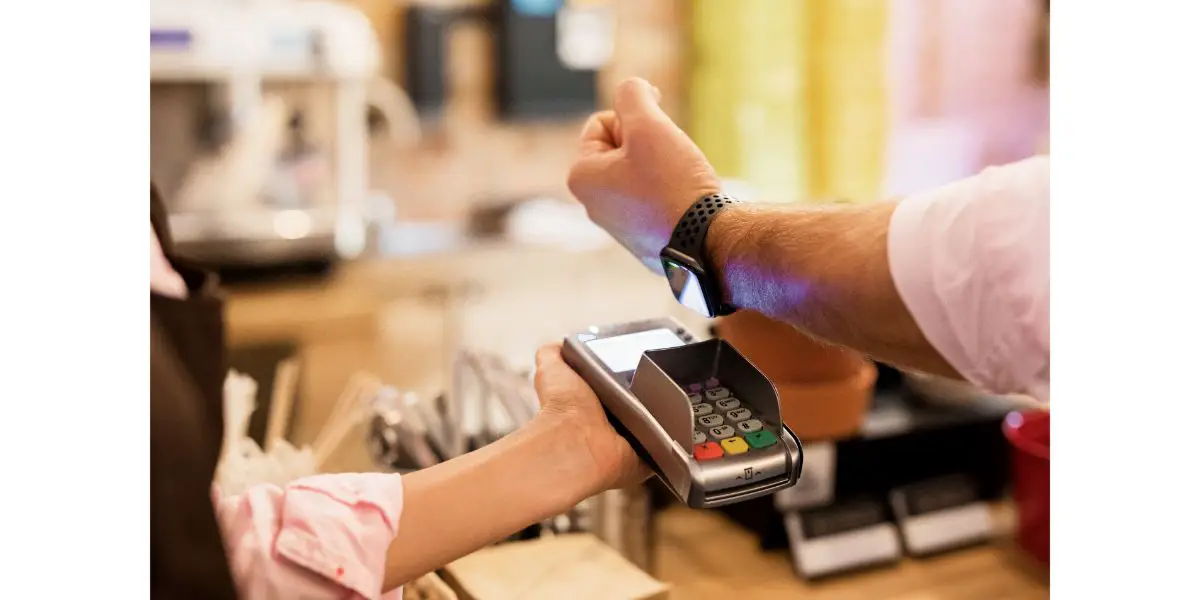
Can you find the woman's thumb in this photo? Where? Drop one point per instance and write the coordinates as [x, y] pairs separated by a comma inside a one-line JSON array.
[[636, 98]]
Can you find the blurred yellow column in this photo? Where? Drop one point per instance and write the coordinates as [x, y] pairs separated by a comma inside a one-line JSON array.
[[850, 101], [791, 96], [748, 100]]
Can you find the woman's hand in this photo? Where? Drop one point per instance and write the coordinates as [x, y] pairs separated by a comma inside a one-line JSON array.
[[567, 454], [567, 399]]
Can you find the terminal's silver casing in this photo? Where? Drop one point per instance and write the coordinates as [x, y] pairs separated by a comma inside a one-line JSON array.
[[656, 415]]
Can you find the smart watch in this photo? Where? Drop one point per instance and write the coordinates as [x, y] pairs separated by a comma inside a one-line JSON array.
[[691, 276]]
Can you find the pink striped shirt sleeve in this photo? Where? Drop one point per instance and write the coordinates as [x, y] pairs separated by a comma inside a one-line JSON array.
[[971, 261], [324, 536]]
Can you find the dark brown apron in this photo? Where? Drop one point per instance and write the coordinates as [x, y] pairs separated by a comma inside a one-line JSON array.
[[187, 375]]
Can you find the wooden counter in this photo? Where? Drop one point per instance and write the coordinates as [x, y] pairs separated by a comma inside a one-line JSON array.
[[393, 318], [704, 555]]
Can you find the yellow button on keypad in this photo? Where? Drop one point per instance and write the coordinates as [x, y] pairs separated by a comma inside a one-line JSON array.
[[734, 445]]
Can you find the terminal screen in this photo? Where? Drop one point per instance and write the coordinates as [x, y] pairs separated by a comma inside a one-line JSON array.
[[623, 352]]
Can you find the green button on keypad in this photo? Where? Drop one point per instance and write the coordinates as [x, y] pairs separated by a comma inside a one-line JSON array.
[[760, 439]]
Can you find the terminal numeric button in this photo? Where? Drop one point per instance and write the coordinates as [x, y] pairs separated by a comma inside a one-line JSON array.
[[701, 409], [721, 432], [739, 414], [749, 426], [698, 437], [707, 451], [694, 398], [716, 393], [728, 403], [711, 420]]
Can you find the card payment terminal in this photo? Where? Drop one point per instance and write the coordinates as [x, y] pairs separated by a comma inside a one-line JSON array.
[[698, 413]]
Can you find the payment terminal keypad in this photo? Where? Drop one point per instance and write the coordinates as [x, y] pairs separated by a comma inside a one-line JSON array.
[[723, 425], [708, 451], [749, 425], [716, 393], [738, 414], [735, 445], [761, 439], [721, 432], [727, 404]]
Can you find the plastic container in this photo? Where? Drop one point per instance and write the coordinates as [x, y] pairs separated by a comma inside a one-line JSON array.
[[1029, 435]]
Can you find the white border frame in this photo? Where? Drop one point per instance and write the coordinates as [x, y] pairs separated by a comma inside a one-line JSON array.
[[1126, 248]]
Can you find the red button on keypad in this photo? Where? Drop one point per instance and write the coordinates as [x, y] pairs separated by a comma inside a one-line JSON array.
[[707, 451]]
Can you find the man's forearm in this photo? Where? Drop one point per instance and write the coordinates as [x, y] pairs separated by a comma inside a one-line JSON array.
[[456, 507], [825, 271]]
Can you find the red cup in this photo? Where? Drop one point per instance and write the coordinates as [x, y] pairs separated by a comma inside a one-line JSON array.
[[1029, 435]]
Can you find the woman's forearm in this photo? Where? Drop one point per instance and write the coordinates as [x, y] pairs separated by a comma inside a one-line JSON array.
[[471, 501], [825, 271]]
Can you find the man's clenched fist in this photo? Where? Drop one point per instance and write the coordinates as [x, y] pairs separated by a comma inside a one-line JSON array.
[[638, 172]]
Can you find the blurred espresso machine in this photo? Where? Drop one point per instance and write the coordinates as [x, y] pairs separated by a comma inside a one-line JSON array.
[[259, 131]]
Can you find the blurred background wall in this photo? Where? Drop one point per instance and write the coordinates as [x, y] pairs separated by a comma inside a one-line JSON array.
[[796, 100], [506, 159], [801, 99]]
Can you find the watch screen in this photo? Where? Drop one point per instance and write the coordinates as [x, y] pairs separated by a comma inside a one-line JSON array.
[[686, 287], [623, 352]]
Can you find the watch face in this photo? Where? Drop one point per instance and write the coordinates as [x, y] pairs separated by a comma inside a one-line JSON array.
[[685, 284]]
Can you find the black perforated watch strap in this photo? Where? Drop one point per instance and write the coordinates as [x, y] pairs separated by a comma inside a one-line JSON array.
[[690, 234], [692, 229]]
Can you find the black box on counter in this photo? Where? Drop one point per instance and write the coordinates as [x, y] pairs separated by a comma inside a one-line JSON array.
[[532, 81]]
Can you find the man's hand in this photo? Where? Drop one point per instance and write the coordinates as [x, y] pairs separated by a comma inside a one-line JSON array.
[[564, 396], [638, 172]]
